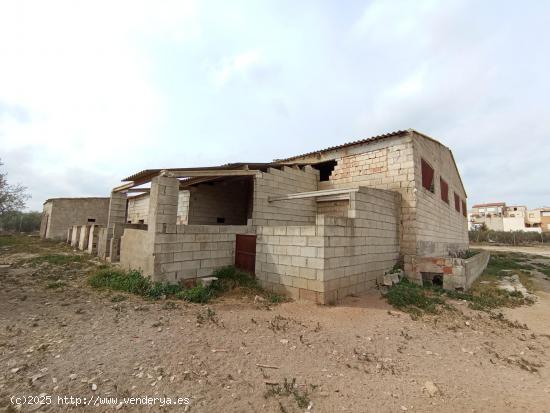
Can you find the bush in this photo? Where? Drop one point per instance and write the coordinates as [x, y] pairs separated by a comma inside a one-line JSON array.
[[230, 278], [508, 237], [114, 279], [197, 294], [413, 298]]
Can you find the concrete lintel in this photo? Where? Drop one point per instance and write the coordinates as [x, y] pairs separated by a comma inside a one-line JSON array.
[[314, 194]]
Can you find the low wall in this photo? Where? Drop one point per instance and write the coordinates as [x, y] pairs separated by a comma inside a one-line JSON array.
[[195, 251], [457, 273], [474, 266], [136, 251]]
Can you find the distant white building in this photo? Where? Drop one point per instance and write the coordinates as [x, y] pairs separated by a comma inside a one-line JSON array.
[[498, 216]]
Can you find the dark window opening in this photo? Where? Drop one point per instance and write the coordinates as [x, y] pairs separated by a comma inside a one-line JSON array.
[[457, 202], [141, 221], [464, 211], [427, 176], [432, 278], [444, 190], [91, 219], [129, 222], [325, 169], [220, 220]]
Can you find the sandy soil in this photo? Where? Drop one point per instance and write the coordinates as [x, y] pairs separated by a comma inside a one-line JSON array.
[[359, 356]]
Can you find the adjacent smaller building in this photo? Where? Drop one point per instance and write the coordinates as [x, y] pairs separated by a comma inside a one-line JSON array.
[[62, 213]]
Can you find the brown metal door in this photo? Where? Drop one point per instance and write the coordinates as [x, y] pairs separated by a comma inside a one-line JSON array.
[[245, 253]]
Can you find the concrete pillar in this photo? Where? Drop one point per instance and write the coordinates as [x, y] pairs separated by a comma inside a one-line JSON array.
[[117, 216], [163, 211], [75, 237], [163, 205], [117, 210], [93, 238], [84, 235]]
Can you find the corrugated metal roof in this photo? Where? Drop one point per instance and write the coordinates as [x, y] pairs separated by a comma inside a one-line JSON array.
[[348, 144], [148, 173]]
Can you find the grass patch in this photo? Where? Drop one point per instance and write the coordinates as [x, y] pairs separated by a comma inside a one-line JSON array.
[[543, 268], [276, 298], [484, 295], [196, 294], [9, 240], [499, 262], [464, 254], [56, 259], [134, 282], [413, 298]]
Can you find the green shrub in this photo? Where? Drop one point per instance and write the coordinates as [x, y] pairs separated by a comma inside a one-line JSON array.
[[197, 294], [413, 298], [133, 282], [230, 278]]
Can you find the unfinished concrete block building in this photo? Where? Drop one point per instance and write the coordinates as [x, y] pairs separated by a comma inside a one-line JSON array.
[[317, 226], [60, 214]]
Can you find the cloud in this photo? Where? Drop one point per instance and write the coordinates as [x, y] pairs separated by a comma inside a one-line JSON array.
[[239, 66], [94, 91]]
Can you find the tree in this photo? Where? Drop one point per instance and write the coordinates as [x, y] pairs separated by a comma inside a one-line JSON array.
[[17, 221], [12, 197]]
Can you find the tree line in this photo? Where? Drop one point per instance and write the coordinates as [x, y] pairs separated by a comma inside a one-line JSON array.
[[508, 237], [12, 203]]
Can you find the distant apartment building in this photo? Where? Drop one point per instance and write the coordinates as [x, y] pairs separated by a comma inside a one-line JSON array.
[[498, 216], [540, 217]]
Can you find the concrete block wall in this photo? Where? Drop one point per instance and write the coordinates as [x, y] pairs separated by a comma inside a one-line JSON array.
[[195, 251], [138, 209], [338, 208], [281, 182], [365, 245], [439, 227], [183, 207], [290, 260], [230, 200], [46, 218], [387, 164], [335, 257]]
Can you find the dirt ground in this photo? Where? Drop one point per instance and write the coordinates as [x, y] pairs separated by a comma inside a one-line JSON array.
[[542, 250], [60, 337]]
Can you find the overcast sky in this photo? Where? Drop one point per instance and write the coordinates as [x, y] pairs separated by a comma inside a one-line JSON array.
[[93, 91]]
